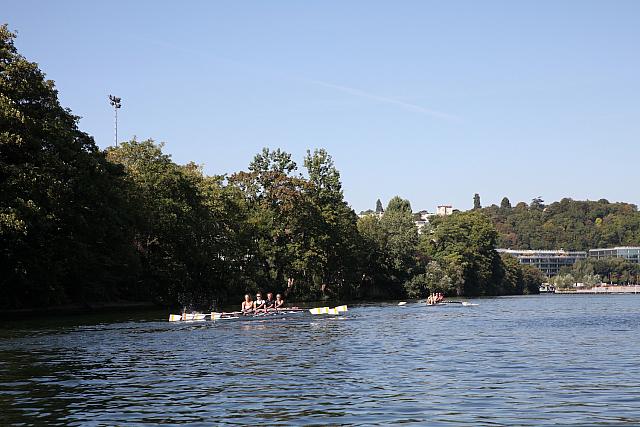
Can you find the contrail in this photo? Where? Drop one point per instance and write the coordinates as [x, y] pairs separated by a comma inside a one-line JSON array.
[[287, 75], [406, 105]]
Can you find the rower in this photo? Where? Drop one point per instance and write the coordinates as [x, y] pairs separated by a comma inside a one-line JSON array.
[[247, 305], [270, 303], [279, 303], [260, 304]]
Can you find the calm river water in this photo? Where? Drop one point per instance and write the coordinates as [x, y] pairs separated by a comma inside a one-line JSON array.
[[540, 360]]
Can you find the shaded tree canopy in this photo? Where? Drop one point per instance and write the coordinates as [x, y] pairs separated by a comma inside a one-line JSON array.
[[79, 224]]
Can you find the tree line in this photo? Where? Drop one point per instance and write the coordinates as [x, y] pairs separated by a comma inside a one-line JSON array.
[[591, 271], [80, 224], [568, 224]]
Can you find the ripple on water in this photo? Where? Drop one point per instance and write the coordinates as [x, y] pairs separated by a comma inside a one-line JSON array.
[[508, 361]]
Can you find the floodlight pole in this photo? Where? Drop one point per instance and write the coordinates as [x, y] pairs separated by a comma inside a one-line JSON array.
[[116, 102]]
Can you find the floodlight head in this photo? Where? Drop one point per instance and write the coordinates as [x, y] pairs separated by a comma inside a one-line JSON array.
[[115, 101]]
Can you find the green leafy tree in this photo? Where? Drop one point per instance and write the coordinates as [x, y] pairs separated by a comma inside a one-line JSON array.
[[335, 234], [505, 203], [518, 278], [181, 234], [63, 224], [567, 224], [436, 278], [467, 240], [390, 247], [564, 281]]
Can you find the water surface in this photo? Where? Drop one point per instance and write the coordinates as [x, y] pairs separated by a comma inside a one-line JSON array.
[[541, 360]]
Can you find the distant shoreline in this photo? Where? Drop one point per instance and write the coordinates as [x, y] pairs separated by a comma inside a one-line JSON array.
[[632, 289]]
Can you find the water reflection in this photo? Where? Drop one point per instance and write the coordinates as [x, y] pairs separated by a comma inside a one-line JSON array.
[[525, 361]]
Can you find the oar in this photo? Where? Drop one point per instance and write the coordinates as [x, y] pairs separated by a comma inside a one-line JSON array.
[[198, 316], [465, 303], [187, 316], [327, 310]]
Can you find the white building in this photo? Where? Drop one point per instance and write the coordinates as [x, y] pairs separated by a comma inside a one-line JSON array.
[[550, 262], [443, 210]]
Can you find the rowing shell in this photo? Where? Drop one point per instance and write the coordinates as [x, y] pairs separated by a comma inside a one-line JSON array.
[[190, 317], [463, 303], [224, 316]]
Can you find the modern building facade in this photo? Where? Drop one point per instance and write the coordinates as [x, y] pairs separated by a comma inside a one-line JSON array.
[[550, 262], [631, 253]]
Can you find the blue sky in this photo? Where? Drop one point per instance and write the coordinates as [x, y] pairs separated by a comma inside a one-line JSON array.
[[432, 101]]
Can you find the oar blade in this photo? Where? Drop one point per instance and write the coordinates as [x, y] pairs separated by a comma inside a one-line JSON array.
[[327, 310]]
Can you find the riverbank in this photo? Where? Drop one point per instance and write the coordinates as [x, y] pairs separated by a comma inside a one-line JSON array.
[[70, 309], [634, 289]]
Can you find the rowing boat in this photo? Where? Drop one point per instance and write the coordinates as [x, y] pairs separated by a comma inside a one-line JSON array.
[[193, 317], [462, 303]]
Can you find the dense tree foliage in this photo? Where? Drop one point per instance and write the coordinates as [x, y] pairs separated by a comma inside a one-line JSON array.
[[592, 271], [520, 279], [567, 224], [79, 225], [390, 248], [64, 227], [466, 241]]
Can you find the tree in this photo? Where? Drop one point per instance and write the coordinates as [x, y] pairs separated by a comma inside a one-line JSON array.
[[568, 224], [436, 278], [591, 271], [390, 248], [505, 203], [181, 235], [64, 227], [518, 278], [379, 209], [466, 240], [563, 281], [336, 236], [398, 204], [476, 201], [537, 203], [279, 214]]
